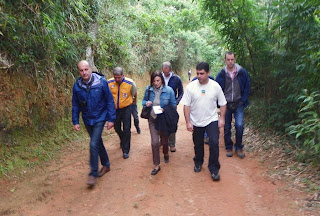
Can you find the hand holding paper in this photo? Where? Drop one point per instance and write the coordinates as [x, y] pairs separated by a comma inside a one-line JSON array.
[[157, 109]]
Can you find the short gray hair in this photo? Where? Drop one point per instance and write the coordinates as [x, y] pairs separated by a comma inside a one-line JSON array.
[[166, 64], [117, 71]]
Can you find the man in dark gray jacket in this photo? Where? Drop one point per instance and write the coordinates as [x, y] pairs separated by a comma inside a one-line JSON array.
[[235, 83]]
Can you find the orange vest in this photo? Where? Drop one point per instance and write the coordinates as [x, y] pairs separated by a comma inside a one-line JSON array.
[[122, 94]]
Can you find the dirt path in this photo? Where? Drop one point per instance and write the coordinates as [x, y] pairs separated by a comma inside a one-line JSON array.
[[129, 189]]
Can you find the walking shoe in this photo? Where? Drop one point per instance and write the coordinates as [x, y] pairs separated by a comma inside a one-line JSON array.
[[155, 171], [173, 149], [103, 171], [215, 177], [197, 168], [229, 153], [125, 155], [240, 153], [138, 130], [166, 159], [91, 181], [206, 140]]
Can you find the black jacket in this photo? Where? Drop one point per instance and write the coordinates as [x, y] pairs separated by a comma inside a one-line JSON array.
[[167, 122]]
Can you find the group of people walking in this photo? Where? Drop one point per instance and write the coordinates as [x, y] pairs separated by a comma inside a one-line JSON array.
[[114, 101]]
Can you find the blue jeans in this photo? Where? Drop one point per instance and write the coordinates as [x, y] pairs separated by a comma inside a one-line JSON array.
[[212, 130], [122, 126], [239, 126], [97, 148]]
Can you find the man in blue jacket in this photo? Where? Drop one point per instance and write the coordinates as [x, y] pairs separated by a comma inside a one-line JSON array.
[[175, 83], [92, 97], [235, 83]]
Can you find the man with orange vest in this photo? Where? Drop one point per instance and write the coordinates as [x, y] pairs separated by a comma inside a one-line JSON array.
[[124, 93]]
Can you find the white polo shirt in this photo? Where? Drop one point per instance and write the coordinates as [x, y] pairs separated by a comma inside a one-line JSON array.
[[202, 100]]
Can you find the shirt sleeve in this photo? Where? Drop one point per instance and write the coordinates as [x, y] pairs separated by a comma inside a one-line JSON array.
[[180, 91], [75, 107], [221, 98], [186, 98], [111, 110]]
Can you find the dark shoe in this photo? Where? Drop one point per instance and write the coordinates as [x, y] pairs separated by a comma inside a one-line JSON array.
[[173, 149], [215, 177], [240, 153], [103, 171], [229, 153], [166, 159], [138, 130], [155, 171], [197, 168], [206, 140], [125, 155], [91, 181]]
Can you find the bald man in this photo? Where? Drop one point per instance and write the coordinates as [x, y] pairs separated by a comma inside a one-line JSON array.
[[92, 97]]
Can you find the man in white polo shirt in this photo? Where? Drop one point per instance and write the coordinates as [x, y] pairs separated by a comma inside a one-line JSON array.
[[200, 111]]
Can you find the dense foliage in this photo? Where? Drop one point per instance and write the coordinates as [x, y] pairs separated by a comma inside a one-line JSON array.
[[42, 41], [44, 38], [278, 41]]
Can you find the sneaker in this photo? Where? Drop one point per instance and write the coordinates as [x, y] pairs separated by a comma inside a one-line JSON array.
[[240, 153], [206, 140], [197, 168], [229, 153], [138, 130], [215, 177]]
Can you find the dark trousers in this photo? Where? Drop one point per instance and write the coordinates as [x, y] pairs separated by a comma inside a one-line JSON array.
[[155, 143], [97, 148], [135, 115], [212, 130], [122, 126]]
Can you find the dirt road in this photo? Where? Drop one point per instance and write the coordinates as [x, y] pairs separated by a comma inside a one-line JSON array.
[[129, 189]]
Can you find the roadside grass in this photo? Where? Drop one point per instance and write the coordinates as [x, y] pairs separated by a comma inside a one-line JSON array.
[[29, 147], [282, 160], [26, 149], [285, 159]]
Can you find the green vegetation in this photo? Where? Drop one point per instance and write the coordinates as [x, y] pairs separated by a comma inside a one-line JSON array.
[[278, 42], [42, 40], [26, 149]]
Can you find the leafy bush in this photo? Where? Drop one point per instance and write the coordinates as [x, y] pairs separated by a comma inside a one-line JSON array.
[[307, 127]]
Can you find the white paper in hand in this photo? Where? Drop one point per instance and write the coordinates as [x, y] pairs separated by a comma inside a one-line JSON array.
[[157, 109]]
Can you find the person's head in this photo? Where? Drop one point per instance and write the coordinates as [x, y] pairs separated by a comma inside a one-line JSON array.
[[157, 79], [166, 68], [118, 74], [85, 70], [203, 72], [230, 60]]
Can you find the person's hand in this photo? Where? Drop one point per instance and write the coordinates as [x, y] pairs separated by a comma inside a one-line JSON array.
[[110, 125], [189, 127], [76, 127], [148, 103], [221, 122]]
